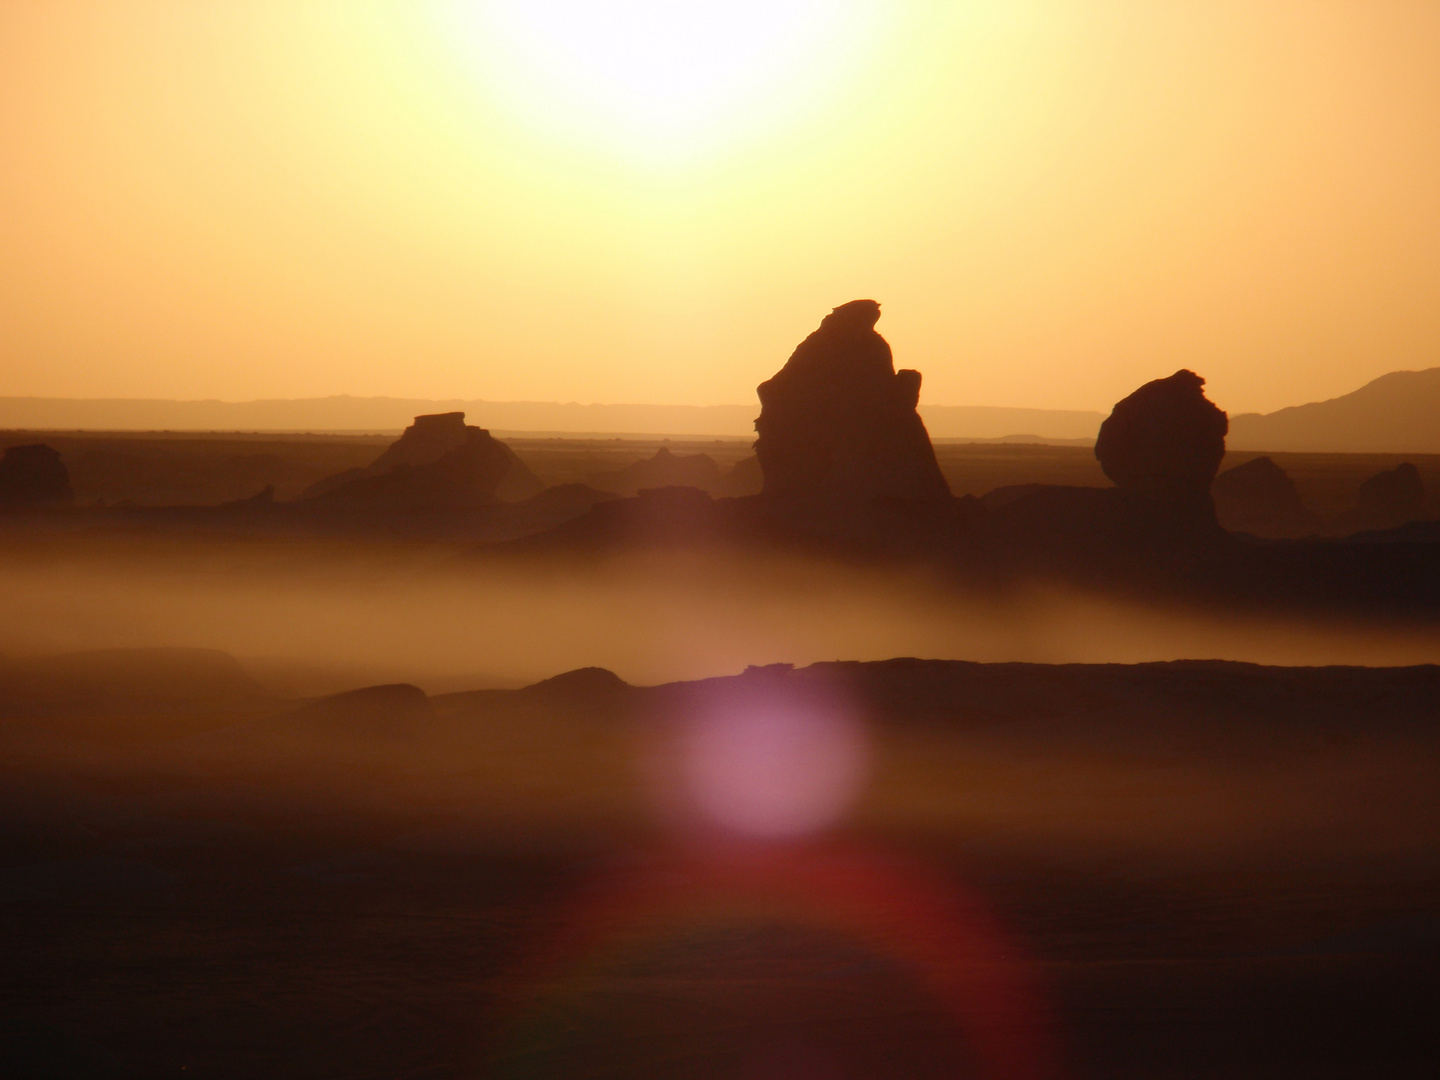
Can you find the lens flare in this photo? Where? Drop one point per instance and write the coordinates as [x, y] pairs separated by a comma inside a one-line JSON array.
[[775, 771], [671, 926]]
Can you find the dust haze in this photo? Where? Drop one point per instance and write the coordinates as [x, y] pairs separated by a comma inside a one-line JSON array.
[[321, 618]]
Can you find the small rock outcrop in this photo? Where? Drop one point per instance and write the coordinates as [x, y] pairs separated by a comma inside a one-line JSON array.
[[1259, 498], [34, 476], [439, 463], [1390, 498], [838, 422], [743, 478], [665, 469], [1165, 441]]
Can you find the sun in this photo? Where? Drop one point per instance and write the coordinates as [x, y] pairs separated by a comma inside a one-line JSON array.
[[662, 78]]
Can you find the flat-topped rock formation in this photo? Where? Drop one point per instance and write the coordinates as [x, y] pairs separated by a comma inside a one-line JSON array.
[[439, 463], [838, 422]]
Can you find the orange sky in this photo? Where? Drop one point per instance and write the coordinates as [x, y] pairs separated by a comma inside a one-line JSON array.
[[1055, 201]]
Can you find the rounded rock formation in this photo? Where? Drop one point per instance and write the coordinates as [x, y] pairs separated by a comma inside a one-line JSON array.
[[1165, 441], [34, 476], [1260, 498], [1392, 497]]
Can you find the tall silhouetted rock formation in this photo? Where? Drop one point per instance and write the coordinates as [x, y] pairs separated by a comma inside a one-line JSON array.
[[439, 463], [838, 422], [34, 476], [1260, 498], [1165, 441]]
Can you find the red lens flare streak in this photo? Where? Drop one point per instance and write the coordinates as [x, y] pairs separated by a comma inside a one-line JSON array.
[[941, 933]]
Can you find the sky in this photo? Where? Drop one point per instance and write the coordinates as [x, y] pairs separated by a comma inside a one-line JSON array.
[[653, 202]]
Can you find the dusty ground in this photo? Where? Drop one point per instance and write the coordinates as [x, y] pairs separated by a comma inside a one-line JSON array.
[[1202, 870], [1192, 871]]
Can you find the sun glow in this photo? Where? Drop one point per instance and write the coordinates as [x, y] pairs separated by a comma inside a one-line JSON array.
[[659, 79]]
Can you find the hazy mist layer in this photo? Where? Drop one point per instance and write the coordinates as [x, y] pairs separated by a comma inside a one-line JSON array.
[[317, 618]]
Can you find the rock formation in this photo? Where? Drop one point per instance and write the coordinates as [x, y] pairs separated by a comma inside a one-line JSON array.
[[1165, 441], [1391, 498], [425, 441], [34, 476], [394, 710], [665, 469], [657, 517], [838, 422], [1259, 498], [743, 478], [1161, 446], [439, 463]]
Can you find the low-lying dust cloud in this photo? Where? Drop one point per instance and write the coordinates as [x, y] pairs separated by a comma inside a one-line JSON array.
[[315, 618]]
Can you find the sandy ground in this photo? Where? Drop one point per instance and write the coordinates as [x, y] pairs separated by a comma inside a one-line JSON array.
[[1175, 872]]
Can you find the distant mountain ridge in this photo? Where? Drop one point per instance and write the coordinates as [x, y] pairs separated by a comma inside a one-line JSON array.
[[1398, 413], [345, 413]]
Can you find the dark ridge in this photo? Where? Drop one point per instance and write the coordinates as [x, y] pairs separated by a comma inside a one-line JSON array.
[[1139, 703], [590, 692], [389, 710], [580, 682]]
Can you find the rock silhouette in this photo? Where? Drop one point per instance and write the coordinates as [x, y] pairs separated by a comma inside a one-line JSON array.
[[1164, 441], [425, 441], [393, 710], [838, 422], [439, 463], [1390, 498], [34, 476], [743, 478], [1161, 446], [1259, 498], [657, 517], [665, 469]]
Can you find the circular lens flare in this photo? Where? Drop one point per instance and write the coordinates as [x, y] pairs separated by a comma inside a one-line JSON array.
[[774, 771]]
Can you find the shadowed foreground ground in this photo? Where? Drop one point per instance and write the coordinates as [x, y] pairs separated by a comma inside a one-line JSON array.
[[1193, 869]]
